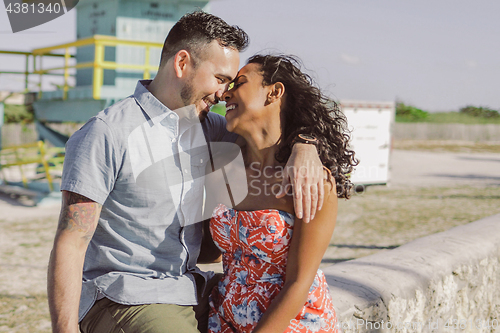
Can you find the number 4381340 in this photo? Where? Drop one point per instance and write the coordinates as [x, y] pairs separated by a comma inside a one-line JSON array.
[[39, 8]]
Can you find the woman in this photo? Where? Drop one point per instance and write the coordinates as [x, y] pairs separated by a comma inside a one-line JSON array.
[[271, 280]]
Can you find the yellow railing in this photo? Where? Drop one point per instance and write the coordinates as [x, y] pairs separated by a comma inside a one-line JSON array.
[[34, 153], [99, 64], [26, 71]]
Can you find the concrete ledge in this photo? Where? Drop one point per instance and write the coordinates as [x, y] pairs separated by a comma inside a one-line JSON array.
[[422, 285]]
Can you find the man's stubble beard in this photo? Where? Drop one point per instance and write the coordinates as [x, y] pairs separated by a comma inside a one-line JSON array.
[[187, 93], [187, 96]]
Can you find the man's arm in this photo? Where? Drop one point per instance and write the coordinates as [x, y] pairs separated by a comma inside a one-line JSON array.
[[77, 223], [304, 173]]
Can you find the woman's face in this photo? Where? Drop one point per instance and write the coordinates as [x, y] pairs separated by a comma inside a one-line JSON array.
[[246, 100]]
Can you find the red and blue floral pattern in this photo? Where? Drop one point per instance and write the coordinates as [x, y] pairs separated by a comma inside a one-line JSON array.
[[254, 247]]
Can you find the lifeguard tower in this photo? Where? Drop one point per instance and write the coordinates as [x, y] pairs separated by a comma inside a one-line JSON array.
[[118, 42]]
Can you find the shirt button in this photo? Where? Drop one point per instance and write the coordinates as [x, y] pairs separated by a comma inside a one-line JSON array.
[[174, 140], [186, 170], [172, 116], [201, 160]]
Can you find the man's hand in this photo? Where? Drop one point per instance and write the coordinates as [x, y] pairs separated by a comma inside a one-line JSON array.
[[304, 173]]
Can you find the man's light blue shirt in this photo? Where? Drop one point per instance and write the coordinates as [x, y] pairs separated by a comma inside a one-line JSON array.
[[144, 163]]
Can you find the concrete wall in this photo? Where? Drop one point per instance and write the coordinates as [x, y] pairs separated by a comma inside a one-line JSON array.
[[461, 132], [418, 287]]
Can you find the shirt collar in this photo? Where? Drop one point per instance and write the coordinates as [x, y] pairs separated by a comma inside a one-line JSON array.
[[157, 111]]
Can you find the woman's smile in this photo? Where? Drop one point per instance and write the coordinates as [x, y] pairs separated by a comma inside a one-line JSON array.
[[230, 107]]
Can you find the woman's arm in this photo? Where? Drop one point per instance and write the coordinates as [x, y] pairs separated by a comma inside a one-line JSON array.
[[308, 245]]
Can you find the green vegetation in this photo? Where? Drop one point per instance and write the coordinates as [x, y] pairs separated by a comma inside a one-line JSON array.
[[18, 114], [480, 112], [219, 108], [459, 118], [408, 113], [467, 115]]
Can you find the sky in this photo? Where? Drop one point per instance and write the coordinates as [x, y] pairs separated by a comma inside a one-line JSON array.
[[438, 55]]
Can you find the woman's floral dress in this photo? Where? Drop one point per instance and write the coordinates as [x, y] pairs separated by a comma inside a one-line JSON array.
[[254, 246]]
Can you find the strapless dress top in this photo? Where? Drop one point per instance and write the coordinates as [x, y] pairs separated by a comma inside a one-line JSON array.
[[254, 246]]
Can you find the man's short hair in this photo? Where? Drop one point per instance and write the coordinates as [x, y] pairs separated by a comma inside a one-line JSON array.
[[194, 31]]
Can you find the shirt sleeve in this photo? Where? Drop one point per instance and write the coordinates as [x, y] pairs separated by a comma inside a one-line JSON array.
[[217, 131], [91, 162]]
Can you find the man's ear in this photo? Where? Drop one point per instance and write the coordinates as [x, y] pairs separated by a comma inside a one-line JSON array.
[[277, 91], [181, 61]]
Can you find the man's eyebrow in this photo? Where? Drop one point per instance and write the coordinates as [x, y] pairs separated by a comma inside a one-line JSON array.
[[227, 77]]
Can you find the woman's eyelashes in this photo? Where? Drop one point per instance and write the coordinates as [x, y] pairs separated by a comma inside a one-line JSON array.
[[239, 81], [234, 85]]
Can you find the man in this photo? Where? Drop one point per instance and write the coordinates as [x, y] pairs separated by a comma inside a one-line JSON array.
[[127, 243]]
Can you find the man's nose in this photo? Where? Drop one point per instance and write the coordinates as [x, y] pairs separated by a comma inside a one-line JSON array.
[[219, 94]]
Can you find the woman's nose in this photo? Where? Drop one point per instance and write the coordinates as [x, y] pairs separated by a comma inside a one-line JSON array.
[[226, 95]]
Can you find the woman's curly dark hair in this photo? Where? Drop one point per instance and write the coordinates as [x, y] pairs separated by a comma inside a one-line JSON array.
[[307, 111]]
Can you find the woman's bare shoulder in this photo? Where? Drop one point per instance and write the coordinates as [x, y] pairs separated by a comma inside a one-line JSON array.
[[329, 184]]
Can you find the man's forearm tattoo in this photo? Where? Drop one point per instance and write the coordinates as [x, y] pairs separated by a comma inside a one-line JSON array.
[[79, 214]]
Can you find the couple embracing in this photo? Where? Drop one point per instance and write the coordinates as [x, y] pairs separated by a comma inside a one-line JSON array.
[[130, 232]]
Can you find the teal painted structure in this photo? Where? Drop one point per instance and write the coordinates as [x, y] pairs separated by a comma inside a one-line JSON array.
[[144, 20], [149, 20], [1, 121]]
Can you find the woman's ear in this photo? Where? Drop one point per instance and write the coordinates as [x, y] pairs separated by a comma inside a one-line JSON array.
[[181, 61], [277, 91]]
